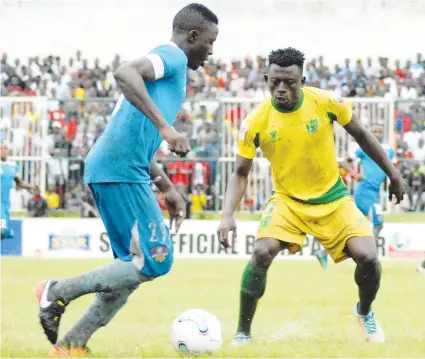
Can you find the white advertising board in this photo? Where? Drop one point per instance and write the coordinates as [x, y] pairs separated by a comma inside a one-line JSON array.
[[57, 237]]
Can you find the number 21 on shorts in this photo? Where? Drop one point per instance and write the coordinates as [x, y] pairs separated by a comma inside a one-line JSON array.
[[158, 232]]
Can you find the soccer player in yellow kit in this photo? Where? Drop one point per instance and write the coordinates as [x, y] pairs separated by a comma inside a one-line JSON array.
[[294, 130]]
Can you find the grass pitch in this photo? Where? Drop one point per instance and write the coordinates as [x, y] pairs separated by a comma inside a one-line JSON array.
[[306, 311]]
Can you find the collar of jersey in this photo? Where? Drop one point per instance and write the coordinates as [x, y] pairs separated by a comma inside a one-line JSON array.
[[297, 107]]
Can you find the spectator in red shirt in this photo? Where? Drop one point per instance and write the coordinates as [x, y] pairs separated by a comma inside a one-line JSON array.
[[399, 72], [58, 115], [15, 86]]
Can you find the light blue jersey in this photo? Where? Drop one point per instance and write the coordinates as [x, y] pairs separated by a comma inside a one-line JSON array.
[[366, 193], [373, 175], [8, 172], [117, 169], [124, 151]]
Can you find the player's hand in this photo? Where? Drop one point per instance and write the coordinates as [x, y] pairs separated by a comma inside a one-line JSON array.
[[227, 224], [177, 142], [176, 206], [35, 188], [396, 188]]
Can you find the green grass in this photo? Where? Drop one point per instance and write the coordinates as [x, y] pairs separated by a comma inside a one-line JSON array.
[[306, 312]]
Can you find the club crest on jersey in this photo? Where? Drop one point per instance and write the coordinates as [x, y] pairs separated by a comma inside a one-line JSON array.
[[159, 254], [312, 126], [274, 136]]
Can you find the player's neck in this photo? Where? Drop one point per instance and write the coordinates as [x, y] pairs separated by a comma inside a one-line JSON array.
[[180, 42]]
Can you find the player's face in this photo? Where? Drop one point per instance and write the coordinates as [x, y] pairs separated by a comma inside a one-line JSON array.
[[201, 46], [284, 85], [4, 152], [378, 132]]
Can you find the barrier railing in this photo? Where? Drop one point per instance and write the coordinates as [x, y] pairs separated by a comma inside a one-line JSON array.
[[27, 126]]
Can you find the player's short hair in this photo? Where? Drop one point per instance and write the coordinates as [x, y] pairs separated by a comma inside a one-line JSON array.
[[377, 125], [287, 57], [194, 17]]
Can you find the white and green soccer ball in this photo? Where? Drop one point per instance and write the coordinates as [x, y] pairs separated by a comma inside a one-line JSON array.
[[196, 332]]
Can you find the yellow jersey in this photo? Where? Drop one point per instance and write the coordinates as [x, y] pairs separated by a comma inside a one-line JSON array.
[[299, 145]]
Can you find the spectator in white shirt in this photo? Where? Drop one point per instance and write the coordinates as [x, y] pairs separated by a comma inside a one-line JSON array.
[[419, 153], [411, 138]]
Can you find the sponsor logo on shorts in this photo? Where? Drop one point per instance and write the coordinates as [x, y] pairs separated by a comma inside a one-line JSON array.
[[159, 254], [362, 221], [267, 215]]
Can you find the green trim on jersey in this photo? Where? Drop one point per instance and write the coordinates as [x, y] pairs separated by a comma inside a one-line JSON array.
[[297, 107], [332, 117], [257, 140], [338, 191]]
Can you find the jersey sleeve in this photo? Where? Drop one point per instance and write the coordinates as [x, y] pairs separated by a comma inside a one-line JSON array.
[[342, 110], [247, 145], [359, 153], [167, 60]]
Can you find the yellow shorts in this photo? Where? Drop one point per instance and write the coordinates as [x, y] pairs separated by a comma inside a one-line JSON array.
[[333, 224]]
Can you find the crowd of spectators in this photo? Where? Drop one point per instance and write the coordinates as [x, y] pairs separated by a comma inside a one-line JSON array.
[[82, 96]]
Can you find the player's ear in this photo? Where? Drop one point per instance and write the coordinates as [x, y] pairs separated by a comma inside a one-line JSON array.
[[193, 36], [303, 81]]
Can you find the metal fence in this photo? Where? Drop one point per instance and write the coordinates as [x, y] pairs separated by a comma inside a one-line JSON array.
[[26, 124]]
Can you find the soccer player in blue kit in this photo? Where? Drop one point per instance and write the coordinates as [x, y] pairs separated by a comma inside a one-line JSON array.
[[119, 169], [366, 194], [9, 173], [370, 181]]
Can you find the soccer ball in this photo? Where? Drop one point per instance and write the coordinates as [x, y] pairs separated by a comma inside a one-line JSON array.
[[196, 332]]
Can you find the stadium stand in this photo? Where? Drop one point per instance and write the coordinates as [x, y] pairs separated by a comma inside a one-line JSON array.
[[81, 98]]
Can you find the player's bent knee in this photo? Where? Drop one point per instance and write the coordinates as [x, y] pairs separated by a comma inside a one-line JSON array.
[[367, 259], [158, 262], [264, 252], [153, 257], [363, 250]]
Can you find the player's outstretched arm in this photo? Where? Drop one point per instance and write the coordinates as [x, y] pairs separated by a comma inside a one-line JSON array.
[[234, 194], [21, 184], [175, 203], [131, 77], [370, 145]]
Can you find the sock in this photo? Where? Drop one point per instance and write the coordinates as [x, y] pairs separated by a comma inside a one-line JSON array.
[[100, 313], [376, 231], [368, 279], [113, 277], [252, 288]]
